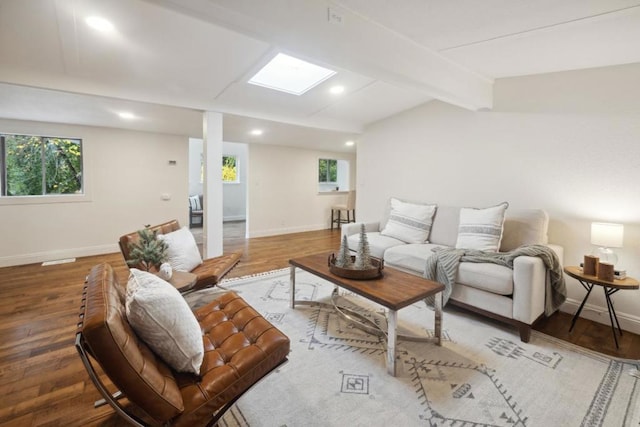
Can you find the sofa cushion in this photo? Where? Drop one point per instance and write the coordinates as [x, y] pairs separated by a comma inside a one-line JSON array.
[[409, 222], [524, 227], [494, 278], [486, 276], [164, 321], [481, 229], [411, 257], [444, 230], [378, 243]]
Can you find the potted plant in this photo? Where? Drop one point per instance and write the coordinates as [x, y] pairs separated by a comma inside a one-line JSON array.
[[148, 252]]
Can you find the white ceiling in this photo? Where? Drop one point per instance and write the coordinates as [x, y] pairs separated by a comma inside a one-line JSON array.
[[169, 60]]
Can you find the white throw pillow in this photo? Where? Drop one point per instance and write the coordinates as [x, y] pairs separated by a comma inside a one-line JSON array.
[[409, 222], [524, 227], [163, 320], [182, 251], [481, 229]]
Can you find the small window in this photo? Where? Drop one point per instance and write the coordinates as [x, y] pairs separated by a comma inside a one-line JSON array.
[[230, 169], [327, 171], [333, 175], [40, 165]]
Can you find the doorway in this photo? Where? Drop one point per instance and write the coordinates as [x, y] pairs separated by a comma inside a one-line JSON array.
[[234, 196]]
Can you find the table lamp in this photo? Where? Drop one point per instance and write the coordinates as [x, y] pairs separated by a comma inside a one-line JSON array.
[[607, 236]]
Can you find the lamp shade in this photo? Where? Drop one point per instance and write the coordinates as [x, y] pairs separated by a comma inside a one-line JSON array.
[[607, 235]]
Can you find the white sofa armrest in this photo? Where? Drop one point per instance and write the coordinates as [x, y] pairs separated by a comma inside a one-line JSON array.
[[529, 280], [529, 285], [354, 228]]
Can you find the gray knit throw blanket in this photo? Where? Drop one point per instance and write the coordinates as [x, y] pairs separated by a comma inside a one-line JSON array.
[[442, 267]]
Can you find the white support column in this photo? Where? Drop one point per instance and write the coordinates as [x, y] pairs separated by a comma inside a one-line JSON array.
[[212, 189]]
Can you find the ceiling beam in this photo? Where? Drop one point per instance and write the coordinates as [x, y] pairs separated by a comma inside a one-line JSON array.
[[303, 28]]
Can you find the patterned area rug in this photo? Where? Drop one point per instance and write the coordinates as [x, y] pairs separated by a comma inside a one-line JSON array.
[[483, 375]]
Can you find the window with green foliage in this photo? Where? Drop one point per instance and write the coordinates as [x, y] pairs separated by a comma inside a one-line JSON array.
[[40, 165], [327, 170], [333, 175], [230, 169]]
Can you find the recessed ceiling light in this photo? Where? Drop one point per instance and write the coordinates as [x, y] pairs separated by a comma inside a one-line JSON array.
[[126, 115], [100, 24], [349, 143], [256, 132], [336, 90], [291, 75]]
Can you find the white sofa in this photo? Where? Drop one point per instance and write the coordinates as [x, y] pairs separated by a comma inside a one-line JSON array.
[[514, 296]]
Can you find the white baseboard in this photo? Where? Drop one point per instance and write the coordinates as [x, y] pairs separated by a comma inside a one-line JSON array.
[[287, 230], [39, 257], [234, 218], [628, 322]]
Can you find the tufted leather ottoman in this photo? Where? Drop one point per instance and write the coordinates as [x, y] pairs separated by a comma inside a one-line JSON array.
[[241, 347]]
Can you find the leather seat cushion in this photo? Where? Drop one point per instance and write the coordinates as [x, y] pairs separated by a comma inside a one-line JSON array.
[[240, 347], [213, 269]]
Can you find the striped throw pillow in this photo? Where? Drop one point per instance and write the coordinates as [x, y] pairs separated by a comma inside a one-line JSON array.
[[409, 222], [481, 229]]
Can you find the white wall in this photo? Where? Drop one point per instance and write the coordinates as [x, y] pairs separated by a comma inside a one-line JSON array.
[[283, 190], [195, 166], [565, 142], [126, 172]]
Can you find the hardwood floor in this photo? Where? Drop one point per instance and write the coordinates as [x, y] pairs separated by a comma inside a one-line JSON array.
[[42, 381]]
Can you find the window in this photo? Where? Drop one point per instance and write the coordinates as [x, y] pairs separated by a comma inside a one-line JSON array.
[[333, 175], [40, 165], [230, 169], [327, 171]]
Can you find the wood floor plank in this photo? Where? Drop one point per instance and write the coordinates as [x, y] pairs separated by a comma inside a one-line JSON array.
[[43, 381], [25, 420]]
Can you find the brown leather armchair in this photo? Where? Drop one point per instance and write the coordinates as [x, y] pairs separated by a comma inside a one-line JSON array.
[[241, 348], [210, 272]]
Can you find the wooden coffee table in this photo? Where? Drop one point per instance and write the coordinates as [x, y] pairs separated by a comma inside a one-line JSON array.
[[394, 290]]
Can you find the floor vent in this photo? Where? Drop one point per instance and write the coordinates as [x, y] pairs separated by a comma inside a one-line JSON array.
[[58, 261]]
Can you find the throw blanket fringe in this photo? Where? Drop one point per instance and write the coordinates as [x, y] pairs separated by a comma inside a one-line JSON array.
[[442, 267]]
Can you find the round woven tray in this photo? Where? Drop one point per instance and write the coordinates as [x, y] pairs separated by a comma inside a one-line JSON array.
[[349, 273]]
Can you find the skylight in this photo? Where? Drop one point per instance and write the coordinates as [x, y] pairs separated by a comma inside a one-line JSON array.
[[100, 24], [288, 74], [126, 115]]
